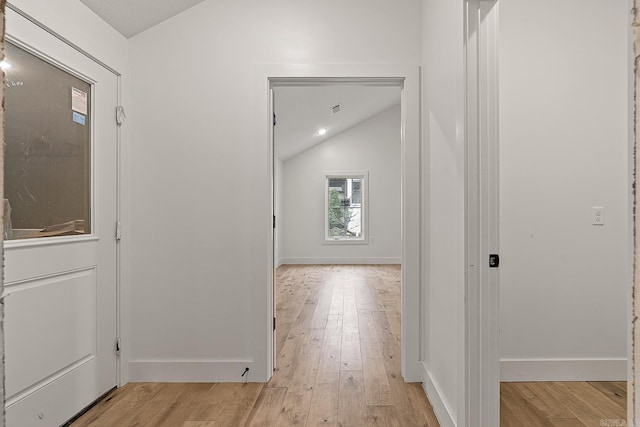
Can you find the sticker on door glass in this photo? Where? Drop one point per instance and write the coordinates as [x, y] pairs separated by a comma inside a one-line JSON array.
[[79, 118], [78, 101]]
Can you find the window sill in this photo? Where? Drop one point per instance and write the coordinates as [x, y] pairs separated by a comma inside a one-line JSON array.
[[48, 241], [345, 242]]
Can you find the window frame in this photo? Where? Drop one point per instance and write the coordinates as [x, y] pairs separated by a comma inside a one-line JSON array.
[[344, 240], [92, 235]]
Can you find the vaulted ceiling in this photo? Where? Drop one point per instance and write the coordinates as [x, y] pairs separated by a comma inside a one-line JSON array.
[[301, 111], [130, 17]]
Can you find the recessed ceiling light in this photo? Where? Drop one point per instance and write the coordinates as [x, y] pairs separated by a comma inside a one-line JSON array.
[[322, 131]]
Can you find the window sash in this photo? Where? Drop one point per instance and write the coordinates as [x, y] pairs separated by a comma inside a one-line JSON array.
[[345, 207]]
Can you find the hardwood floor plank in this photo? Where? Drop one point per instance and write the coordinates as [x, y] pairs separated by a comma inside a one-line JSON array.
[[267, 408], [303, 341], [199, 424], [337, 298], [295, 409], [110, 411], [239, 404], [566, 400], [323, 410], [522, 411], [383, 415], [563, 403], [567, 422], [598, 405], [171, 406], [364, 294], [407, 397], [210, 404], [351, 356], [537, 394], [376, 385], [351, 402], [612, 390]]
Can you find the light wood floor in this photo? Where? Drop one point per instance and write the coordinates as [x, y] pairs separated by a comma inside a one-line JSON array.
[[338, 364], [338, 343], [563, 404]]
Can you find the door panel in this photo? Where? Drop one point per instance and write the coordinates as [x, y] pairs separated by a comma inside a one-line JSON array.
[[60, 292], [69, 334]]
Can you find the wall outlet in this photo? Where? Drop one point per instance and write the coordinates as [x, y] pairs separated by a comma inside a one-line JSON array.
[[598, 215]]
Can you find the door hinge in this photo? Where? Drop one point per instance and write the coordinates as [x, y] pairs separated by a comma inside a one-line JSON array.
[[274, 221], [274, 323], [118, 347], [118, 231], [275, 121], [120, 115]]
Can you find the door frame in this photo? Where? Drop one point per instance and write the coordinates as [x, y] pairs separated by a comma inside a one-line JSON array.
[[482, 358], [406, 77]]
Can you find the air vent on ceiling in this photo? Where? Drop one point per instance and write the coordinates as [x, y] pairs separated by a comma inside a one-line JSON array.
[[335, 109]]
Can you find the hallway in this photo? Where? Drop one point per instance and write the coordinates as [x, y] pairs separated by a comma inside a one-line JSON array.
[[339, 349], [338, 364]]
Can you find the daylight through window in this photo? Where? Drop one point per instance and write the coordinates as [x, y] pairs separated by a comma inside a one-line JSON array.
[[345, 207]]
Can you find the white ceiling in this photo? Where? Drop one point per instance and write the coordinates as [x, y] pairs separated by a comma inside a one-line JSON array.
[[130, 17], [301, 111]]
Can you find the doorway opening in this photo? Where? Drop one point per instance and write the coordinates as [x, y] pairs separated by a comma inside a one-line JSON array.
[[337, 242], [566, 363], [351, 189], [336, 196]]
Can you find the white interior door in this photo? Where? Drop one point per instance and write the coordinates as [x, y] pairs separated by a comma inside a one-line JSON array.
[[60, 287]]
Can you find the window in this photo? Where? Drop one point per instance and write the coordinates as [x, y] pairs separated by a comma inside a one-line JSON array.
[[345, 207], [47, 174]]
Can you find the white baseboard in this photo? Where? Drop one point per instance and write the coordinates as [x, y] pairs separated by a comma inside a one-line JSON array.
[[279, 262], [440, 408], [354, 260], [515, 370], [190, 371]]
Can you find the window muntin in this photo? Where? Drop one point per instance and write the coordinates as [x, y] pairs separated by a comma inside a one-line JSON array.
[[47, 177], [345, 210]]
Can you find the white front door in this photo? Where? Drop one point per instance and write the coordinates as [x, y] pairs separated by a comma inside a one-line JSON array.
[[60, 176]]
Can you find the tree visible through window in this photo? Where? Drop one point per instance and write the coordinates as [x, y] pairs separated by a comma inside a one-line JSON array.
[[345, 207]]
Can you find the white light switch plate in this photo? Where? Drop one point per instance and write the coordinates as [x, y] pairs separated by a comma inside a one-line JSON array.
[[598, 215]]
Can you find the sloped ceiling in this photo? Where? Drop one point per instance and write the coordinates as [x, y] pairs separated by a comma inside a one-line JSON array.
[[302, 111], [130, 17]]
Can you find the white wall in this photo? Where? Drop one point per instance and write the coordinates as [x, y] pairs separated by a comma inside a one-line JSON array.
[[563, 150], [200, 177], [278, 171], [443, 166], [371, 146]]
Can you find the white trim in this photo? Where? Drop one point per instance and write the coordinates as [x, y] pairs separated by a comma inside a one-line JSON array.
[[350, 260], [440, 408], [191, 371], [364, 209], [482, 378], [631, 381], [408, 78], [10, 245], [60, 37], [345, 241], [518, 370]]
